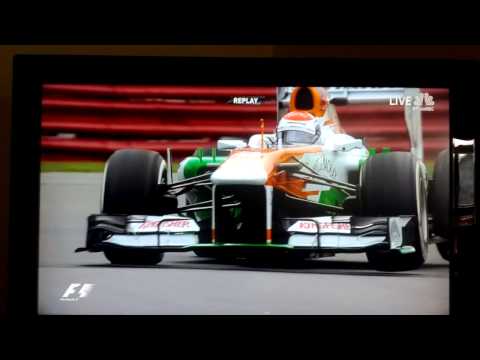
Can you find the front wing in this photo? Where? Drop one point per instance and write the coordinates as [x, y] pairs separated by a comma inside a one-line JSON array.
[[320, 234]]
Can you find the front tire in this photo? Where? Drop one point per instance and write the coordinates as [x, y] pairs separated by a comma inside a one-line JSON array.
[[394, 184], [131, 184]]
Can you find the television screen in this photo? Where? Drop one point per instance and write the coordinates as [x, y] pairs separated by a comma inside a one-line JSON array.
[[236, 200]]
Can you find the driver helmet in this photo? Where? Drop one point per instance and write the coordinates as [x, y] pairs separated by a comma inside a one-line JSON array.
[[298, 128]]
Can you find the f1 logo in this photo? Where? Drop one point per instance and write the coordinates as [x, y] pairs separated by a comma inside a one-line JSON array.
[[76, 291]]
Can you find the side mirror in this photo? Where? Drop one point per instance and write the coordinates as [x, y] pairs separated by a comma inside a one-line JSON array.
[[230, 144]]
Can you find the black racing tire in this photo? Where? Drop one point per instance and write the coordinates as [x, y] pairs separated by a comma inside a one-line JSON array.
[[388, 187], [142, 257], [131, 181], [445, 250], [440, 202], [439, 194]]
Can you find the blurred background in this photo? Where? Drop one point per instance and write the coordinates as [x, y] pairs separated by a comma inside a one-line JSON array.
[[83, 124], [382, 124]]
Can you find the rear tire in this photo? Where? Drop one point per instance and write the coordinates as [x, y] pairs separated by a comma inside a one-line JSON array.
[[133, 256], [445, 250], [394, 184], [439, 200]]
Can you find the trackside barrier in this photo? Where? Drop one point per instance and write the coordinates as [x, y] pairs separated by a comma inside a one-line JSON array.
[[103, 118]]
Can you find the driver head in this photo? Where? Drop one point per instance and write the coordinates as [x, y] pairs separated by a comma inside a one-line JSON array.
[[298, 128]]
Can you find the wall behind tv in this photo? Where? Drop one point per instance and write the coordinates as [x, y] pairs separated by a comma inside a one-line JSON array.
[[343, 51]]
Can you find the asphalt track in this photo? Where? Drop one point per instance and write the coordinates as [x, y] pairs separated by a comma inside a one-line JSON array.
[[186, 284]]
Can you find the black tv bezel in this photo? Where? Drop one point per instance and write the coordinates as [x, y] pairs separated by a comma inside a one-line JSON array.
[[31, 71]]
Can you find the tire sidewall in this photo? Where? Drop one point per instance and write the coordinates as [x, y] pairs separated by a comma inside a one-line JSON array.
[[378, 200], [440, 194]]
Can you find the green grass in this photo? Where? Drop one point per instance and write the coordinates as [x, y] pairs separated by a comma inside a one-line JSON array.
[[79, 166], [72, 166]]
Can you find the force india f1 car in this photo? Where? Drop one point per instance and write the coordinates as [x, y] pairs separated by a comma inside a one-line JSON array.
[[293, 201]]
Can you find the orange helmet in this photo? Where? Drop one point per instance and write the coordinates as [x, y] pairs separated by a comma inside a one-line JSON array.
[[311, 99]]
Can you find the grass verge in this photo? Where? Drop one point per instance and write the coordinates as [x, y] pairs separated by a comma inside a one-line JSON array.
[[72, 166], [79, 166]]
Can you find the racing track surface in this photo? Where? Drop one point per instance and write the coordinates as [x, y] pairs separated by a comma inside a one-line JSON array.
[[185, 284]]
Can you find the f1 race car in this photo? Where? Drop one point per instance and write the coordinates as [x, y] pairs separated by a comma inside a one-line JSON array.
[[308, 190]]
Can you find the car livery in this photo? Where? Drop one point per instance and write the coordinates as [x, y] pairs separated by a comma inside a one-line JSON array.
[[240, 201]]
